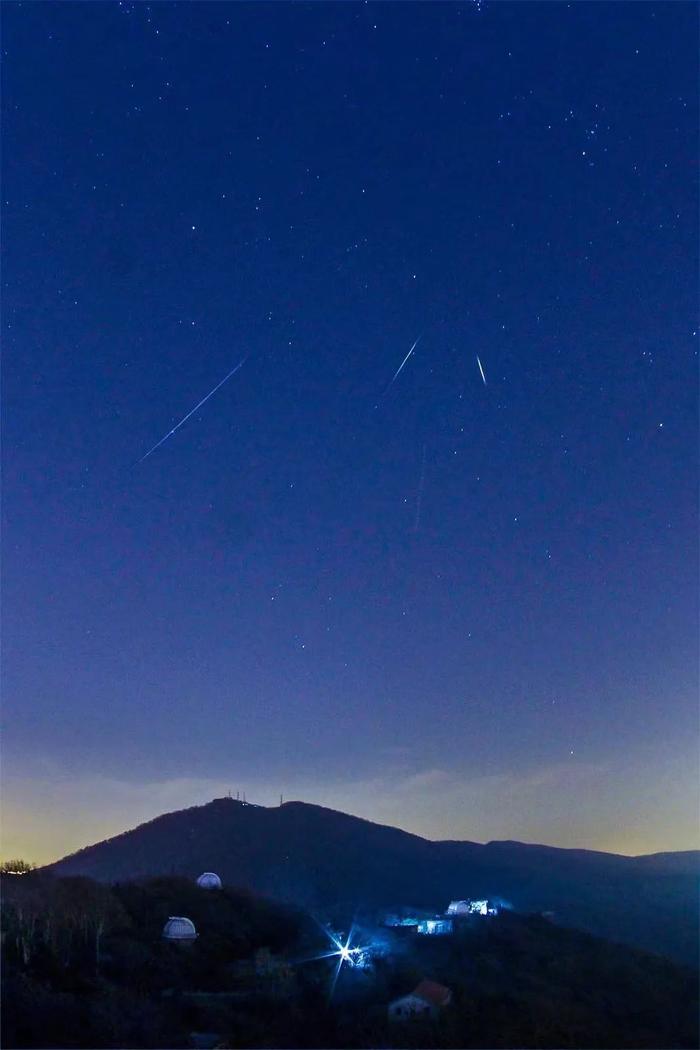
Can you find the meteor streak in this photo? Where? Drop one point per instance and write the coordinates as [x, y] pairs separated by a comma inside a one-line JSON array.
[[191, 413], [478, 361], [396, 373]]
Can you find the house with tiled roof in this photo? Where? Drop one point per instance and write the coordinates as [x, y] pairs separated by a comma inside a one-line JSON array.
[[425, 1001]]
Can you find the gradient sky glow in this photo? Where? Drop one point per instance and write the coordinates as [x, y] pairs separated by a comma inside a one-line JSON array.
[[260, 604]]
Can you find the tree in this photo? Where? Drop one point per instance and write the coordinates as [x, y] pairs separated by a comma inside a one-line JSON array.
[[16, 867]]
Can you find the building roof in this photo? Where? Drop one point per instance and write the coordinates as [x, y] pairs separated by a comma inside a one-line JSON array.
[[209, 881], [178, 928], [433, 993]]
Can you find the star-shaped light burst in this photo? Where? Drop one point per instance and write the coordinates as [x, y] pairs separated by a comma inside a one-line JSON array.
[[345, 954], [342, 950]]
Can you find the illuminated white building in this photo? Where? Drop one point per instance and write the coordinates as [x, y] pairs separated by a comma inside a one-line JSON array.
[[471, 907], [209, 881], [180, 930], [459, 908], [435, 927]]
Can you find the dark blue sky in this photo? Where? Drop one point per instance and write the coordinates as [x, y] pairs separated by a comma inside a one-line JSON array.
[[262, 603]]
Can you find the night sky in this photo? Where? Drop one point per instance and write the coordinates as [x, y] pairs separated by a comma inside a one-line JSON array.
[[465, 608]]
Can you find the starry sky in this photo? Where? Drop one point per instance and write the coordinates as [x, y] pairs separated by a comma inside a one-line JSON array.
[[466, 608]]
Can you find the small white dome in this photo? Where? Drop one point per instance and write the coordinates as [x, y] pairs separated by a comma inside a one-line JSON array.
[[209, 881], [177, 928]]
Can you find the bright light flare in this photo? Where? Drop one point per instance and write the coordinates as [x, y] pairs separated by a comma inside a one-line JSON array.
[[342, 952]]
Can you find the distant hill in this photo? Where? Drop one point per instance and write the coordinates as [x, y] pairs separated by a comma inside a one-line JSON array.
[[320, 858]]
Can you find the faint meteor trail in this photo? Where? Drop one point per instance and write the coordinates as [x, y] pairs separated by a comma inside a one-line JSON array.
[[419, 499], [396, 373], [191, 413], [478, 361]]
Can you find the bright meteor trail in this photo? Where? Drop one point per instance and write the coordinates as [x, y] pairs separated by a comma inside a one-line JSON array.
[[190, 413], [478, 361], [394, 377]]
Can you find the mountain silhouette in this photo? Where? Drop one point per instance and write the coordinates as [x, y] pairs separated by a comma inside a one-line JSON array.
[[322, 859]]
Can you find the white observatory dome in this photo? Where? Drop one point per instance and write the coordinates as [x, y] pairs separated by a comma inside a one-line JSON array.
[[177, 928], [209, 881], [459, 908]]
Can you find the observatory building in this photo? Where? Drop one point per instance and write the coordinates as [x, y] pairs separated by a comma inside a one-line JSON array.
[[179, 930], [435, 927], [459, 908], [209, 881], [472, 907]]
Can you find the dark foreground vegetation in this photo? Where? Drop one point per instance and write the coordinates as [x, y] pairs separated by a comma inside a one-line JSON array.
[[85, 965]]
